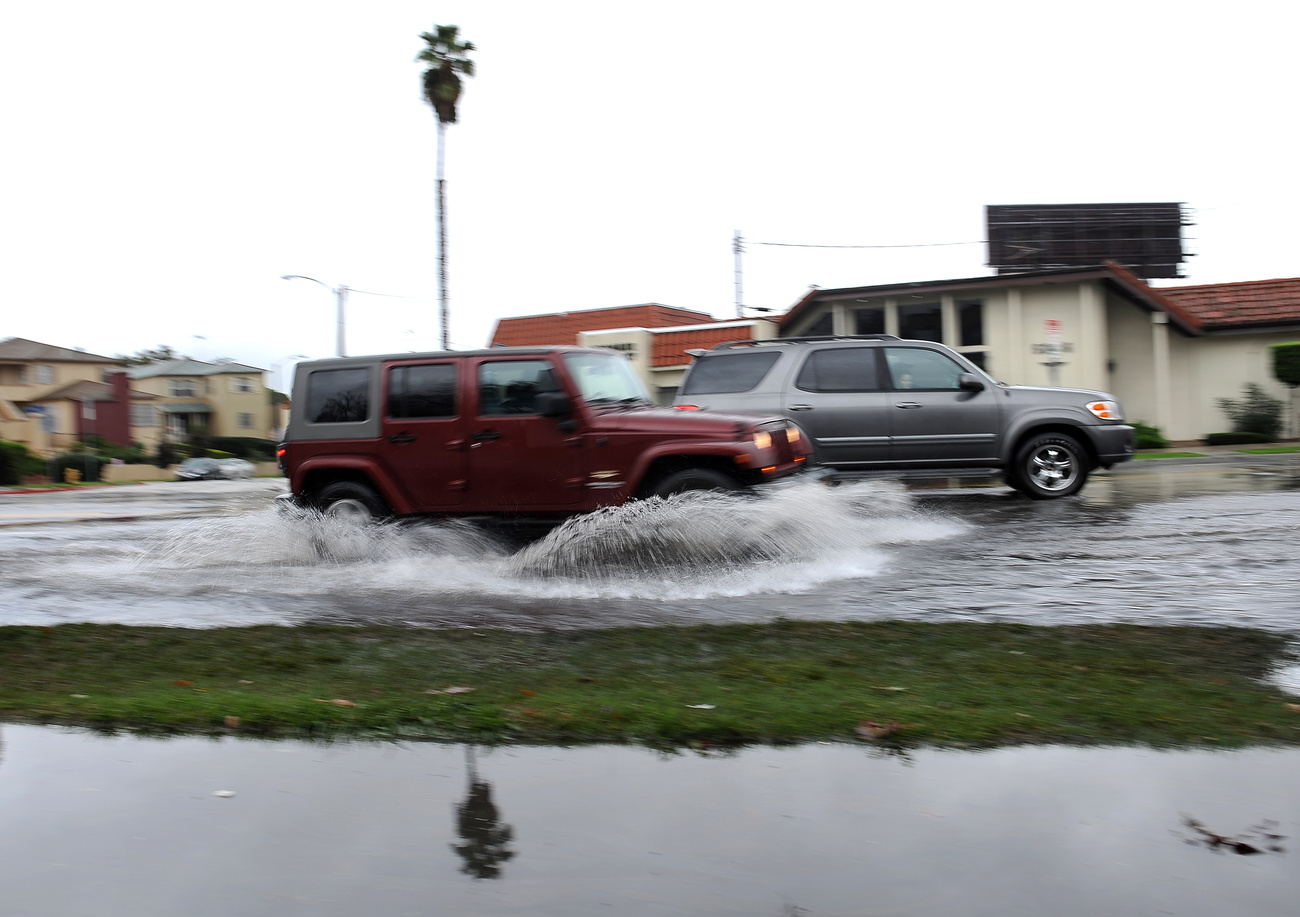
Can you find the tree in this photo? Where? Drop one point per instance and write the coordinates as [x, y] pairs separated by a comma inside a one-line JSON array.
[[447, 55], [160, 354]]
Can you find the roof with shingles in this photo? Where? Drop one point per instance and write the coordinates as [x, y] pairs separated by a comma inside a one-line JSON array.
[[564, 327], [669, 347], [23, 350], [187, 367], [1233, 305], [87, 390]]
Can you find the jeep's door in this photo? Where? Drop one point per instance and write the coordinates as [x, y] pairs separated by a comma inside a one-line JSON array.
[[838, 401], [933, 420], [423, 436], [519, 459]]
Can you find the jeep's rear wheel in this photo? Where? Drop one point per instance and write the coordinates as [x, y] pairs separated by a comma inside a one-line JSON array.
[[352, 501], [693, 479], [1049, 466]]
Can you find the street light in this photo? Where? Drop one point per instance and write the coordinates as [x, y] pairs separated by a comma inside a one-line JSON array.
[[341, 298]]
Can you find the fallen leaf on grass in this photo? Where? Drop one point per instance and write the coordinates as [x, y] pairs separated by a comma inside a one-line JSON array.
[[702, 706], [1295, 707], [181, 682], [870, 729], [452, 690], [888, 688], [337, 702], [232, 721]]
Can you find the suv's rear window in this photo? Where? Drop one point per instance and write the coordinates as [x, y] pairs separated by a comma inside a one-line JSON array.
[[729, 372], [338, 396]]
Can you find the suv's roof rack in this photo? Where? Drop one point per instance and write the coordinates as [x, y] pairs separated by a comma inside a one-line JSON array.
[[729, 345]]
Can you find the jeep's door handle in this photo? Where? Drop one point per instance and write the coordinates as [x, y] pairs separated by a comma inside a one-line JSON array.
[[401, 438], [908, 405], [801, 407], [487, 434]]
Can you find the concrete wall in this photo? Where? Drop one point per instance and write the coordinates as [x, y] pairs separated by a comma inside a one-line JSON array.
[[119, 474]]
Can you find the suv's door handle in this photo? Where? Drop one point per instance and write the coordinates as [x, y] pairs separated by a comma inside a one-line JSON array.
[[401, 438], [801, 407], [487, 434], [908, 405]]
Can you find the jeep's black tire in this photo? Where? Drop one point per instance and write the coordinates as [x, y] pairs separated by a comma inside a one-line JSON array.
[[353, 501], [1049, 466], [693, 479]]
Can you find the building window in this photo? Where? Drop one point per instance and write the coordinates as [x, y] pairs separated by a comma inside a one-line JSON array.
[[144, 415], [242, 385], [869, 321], [628, 350], [44, 374], [183, 388], [921, 322], [245, 420], [970, 315]]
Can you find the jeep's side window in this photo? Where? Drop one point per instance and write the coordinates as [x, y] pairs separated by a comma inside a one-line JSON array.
[[422, 391], [914, 368], [729, 372], [847, 369], [338, 396], [511, 386]]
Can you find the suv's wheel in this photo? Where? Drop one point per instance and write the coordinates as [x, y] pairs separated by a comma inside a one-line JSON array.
[[353, 501], [1048, 466], [693, 479]]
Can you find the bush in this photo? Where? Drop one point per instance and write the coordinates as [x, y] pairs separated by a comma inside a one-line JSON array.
[[1148, 437], [13, 458], [1257, 412], [1236, 439], [246, 447], [1286, 364], [88, 466], [166, 455]]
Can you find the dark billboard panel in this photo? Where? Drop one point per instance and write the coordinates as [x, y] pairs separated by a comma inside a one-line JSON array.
[[1145, 238]]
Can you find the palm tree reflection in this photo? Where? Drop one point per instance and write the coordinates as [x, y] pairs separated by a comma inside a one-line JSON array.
[[484, 839]]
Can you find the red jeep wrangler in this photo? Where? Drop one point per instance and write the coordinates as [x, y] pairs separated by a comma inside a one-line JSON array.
[[541, 432]]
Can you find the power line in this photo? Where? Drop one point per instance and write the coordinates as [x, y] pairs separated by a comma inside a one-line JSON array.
[[918, 245]]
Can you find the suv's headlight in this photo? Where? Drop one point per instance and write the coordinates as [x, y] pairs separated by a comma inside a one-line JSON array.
[[1106, 410]]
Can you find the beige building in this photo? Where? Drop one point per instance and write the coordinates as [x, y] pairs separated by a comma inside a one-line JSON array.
[[1167, 353], [225, 399]]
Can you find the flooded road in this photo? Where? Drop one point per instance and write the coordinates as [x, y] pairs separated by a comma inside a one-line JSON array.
[[1184, 544], [124, 827]]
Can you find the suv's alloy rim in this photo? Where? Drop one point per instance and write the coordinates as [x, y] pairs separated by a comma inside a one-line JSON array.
[[1053, 468]]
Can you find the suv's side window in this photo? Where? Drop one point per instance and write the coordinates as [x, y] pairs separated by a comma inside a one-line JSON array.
[[840, 369], [511, 386], [927, 370], [428, 390], [338, 396], [729, 372]]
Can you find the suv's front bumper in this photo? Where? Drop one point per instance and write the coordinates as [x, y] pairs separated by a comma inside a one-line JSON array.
[[1113, 443]]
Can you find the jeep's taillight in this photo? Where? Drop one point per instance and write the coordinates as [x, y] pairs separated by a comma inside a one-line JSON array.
[[1106, 410]]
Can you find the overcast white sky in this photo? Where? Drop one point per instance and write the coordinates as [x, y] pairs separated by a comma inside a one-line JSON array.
[[166, 162]]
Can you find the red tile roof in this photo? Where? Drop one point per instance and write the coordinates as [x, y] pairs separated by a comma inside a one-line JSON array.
[[1232, 305], [670, 346], [563, 327]]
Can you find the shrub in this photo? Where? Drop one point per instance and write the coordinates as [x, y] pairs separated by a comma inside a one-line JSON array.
[[1236, 439], [1286, 364], [246, 447], [1257, 412], [88, 466], [13, 459], [166, 455], [1148, 437]]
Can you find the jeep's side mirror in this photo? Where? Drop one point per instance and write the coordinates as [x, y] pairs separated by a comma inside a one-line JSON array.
[[970, 382], [553, 404]]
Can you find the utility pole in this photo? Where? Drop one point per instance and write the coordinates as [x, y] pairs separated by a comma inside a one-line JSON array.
[[738, 247]]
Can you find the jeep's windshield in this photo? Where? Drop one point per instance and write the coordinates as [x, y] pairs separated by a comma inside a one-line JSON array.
[[605, 378]]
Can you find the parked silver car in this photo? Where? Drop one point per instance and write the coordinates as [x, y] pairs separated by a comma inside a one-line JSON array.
[[880, 403]]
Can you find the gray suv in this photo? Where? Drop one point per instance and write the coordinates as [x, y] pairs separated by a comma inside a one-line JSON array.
[[879, 403]]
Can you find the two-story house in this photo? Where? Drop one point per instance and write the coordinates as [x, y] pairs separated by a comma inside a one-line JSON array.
[[225, 399]]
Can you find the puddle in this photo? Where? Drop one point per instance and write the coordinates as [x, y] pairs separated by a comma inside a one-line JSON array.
[[130, 826]]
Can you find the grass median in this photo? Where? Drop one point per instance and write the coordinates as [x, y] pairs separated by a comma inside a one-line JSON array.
[[954, 684]]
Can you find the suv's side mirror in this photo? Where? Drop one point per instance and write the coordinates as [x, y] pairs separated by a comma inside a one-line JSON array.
[[553, 404], [970, 382]]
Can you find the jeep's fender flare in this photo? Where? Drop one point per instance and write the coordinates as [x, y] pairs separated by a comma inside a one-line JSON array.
[[685, 455], [329, 468], [1067, 419]]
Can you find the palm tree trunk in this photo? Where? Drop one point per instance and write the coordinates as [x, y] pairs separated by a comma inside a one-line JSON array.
[[442, 242]]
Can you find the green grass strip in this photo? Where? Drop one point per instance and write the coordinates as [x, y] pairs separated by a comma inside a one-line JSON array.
[[1141, 456], [1272, 450], [967, 685]]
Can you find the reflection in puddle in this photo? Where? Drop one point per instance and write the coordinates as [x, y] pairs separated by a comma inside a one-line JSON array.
[[826, 830]]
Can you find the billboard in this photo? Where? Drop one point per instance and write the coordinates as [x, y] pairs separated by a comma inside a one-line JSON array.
[[1145, 238]]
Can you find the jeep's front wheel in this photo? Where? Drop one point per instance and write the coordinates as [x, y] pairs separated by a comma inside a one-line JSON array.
[[693, 479], [1049, 466], [352, 501]]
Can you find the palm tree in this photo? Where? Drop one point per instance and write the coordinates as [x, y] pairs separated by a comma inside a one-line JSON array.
[[446, 55]]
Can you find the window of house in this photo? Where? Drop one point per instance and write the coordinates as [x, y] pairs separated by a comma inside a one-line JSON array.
[[921, 322], [183, 388], [338, 396], [245, 420], [970, 315], [851, 369], [242, 384], [144, 415], [869, 321], [44, 374], [422, 391]]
